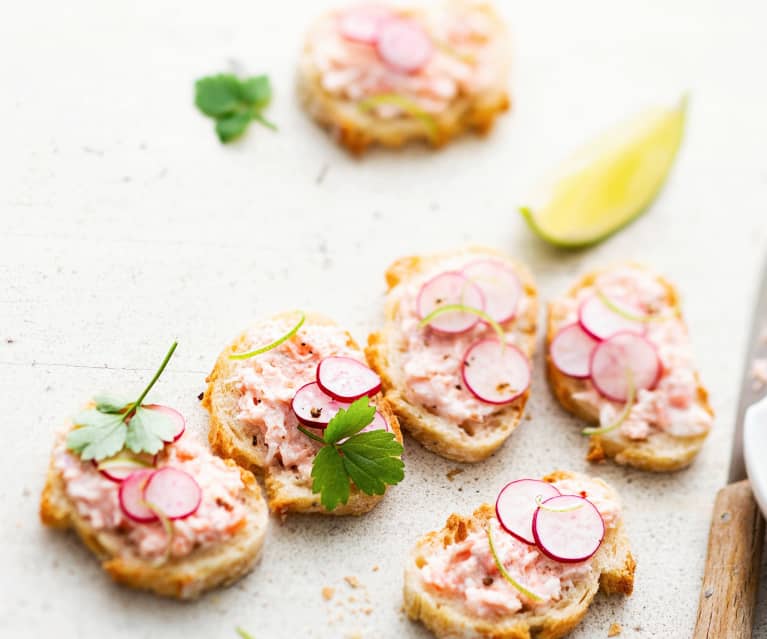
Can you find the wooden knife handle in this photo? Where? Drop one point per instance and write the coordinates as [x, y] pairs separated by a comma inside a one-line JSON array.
[[731, 580]]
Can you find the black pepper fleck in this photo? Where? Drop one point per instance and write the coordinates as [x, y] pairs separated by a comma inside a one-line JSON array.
[[200, 396]]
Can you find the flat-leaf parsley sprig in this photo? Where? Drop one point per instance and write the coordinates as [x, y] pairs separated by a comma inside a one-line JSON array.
[[372, 460], [233, 102], [114, 423]]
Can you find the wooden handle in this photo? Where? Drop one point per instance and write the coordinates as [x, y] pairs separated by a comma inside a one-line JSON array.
[[731, 580]]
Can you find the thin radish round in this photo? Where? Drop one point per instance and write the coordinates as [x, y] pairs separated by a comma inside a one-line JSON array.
[[403, 45], [500, 286], [623, 361], [313, 407], [494, 373], [516, 505], [568, 528], [346, 379], [571, 351], [175, 493], [178, 418], [131, 496], [362, 24], [600, 322], [445, 289], [122, 465]]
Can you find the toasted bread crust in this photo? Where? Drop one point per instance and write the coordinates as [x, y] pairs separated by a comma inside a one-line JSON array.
[[433, 432], [661, 452], [183, 578], [287, 490], [356, 130], [613, 565]]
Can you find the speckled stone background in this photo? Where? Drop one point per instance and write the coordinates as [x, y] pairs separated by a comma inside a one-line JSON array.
[[124, 224]]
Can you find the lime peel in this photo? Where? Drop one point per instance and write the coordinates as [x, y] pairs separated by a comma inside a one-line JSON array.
[[274, 344], [634, 317], [542, 506], [465, 309], [623, 414], [406, 105], [527, 593]]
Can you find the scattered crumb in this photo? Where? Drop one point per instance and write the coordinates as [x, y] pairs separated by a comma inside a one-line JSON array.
[[452, 473], [9, 340], [352, 599], [354, 635], [759, 373], [528, 416], [615, 630], [327, 593], [375, 568], [367, 610], [352, 581], [200, 396]]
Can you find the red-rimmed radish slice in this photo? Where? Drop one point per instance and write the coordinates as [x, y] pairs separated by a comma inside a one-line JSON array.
[[122, 465], [450, 287], [600, 322], [499, 284], [624, 360], [178, 418], [313, 407], [516, 505], [403, 45], [571, 351], [131, 496], [494, 373], [568, 528], [175, 493], [347, 379], [362, 24]]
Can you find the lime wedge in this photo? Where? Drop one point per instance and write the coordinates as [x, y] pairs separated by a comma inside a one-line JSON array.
[[606, 184]]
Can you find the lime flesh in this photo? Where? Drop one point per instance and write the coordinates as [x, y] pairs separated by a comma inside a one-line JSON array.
[[606, 184]]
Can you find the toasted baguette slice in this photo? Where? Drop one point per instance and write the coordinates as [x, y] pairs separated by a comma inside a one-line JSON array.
[[472, 440], [661, 451], [612, 573], [287, 489], [357, 128], [182, 578]]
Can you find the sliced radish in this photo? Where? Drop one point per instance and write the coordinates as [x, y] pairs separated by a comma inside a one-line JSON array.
[[445, 289], [600, 322], [122, 465], [362, 24], [624, 360], [494, 373], [568, 528], [178, 418], [173, 492], [313, 407], [499, 284], [516, 505], [571, 351], [131, 496], [403, 45], [347, 379]]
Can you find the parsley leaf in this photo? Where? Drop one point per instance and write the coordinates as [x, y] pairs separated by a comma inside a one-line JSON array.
[[233, 102], [349, 421], [103, 431], [372, 460], [148, 430]]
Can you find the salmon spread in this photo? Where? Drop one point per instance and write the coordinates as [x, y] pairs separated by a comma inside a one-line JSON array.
[[431, 362], [466, 570], [671, 406], [467, 56], [221, 514], [268, 382]]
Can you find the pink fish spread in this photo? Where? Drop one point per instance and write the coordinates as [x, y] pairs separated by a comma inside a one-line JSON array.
[[221, 514], [467, 570], [465, 54], [431, 362], [268, 382], [671, 406]]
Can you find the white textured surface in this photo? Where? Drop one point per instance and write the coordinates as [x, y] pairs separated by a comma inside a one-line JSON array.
[[124, 224]]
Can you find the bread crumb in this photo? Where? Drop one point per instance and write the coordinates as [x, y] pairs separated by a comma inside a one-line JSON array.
[[528, 416], [615, 630], [367, 611], [352, 581], [327, 593], [375, 568], [452, 473]]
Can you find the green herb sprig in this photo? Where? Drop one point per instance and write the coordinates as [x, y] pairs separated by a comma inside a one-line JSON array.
[[233, 102], [371, 460], [114, 423]]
